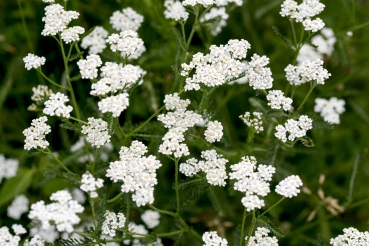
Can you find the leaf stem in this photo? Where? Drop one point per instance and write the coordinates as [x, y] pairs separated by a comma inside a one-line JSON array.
[[61, 164], [80, 121], [147, 121], [280, 200], [176, 184], [115, 198], [52, 82], [250, 230], [243, 226], [307, 96]]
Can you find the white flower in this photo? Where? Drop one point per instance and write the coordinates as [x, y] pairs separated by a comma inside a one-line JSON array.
[[253, 122], [72, 34], [18, 229], [62, 212], [48, 1], [261, 238], [48, 235], [151, 218], [40, 93], [226, 2], [277, 100], [78, 195], [204, 3], [35, 241], [88, 67], [55, 105], [308, 71], [351, 236], [95, 41], [289, 187], [137, 172], [214, 131], [112, 222], [33, 61], [212, 239], [175, 10], [216, 27], [18, 206], [128, 19], [313, 25], [259, 76], [8, 167], [90, 184], [97, 132], [330, 109], [35, 135], [296, 129], [6, 238], [114, 104], [127, 42], [57, 19]]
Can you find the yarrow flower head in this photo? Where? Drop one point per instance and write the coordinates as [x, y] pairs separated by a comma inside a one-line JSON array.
[[212, 239], [253, 121], [175, 10], [258, 75], [90, 184], [289, 187], [18, 207], [33, 61], [6, 238], [251, 182], [88, 67], [214, 131], [128, 19], [226, 2], [277, 100], [351, 236], [330, 109], [261, 238], [57, 19], [296, 129], [72, 34], [35, 135], [35, 241], [308, 71], [217, 26], [127, 42], [97, 132], [113, 222], [8, 167], [151, 218], [114, 104], [40, 93], [95, 41], [62, 212], [136, 171], [55, 105]]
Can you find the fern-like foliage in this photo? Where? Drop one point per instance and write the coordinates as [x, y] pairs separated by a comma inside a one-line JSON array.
[[270, 225], [258, 104], [73, 126], [188, 195], [237, 235], [283, 38], [318, 122], [100, 216], [308, 142], [188, 182], [74, 242], [71, 177], [112, 122], [33, 152]]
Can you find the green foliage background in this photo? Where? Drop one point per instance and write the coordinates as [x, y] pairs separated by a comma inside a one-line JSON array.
[[341, 154]]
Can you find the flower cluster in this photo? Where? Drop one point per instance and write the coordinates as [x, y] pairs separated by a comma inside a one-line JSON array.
[[214, 166], [351, 236], [296, 129], [178, 122], [72, 34], [258, 75], [140, 231], [304, 12], [330, 109], [252, 183], [151, 218], [277, 100], [41, 93], [308, 71], [114, 104], [55, 105], [97, 132], [90, 184], [88, 67], [57, 19], [6, 238], [35, 241], [214, 131], [128, 43], [33, 61], [18, 206], [95, 41], [204, 3], [212, 239], [289, 187], [226, 2], [35, 135], [112, 222], [62, 212], [8, 167], [261, 238], [216, 68], [175, 10], [254, 122], [128, 19], [136, 171], [221, 14]]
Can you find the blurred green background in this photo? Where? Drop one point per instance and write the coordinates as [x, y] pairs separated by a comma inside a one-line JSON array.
[[341, 154]]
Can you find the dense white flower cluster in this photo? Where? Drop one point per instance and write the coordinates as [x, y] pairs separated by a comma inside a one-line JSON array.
[[114, 104], [35, 134], [128, 19], [253, 183], [95, 41], [214, 166], [40, 93], [226, 2], [217, 26], [253, 122], [140, 230], [204, 3], [78, 195], [277, 100], [151, 218], [178, 122], [90, 184], [215, 68], [289, 187], [57, 19], [115, 77], [261, 238], [18, 206], [175, 10], [212, 239], [214, 131], [88, 67], [35, 241], [330, 109], [295, 128], [97, 132], [62, 212], [18, 229], [324, 42], [308, 71], [48, 235], [33, 61], [351, 236], [136, 171], [6, 238], [127, 42], [258, 75], [55, 105], [71, 34], [304, 12], [112, 222], [8, 167]]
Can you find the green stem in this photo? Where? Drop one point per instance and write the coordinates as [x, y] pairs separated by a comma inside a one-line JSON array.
[[193, 29], [271, 207], [94, 163], [52, 82], [82, 234], [147, 121], [306, 97], [243, 227], [78, 50], [183, 32], [80, 121], [163, 211], [169, 234], [176, 184], [115, 198], [294, 33], [250, 230], [120, 130], [361, 26], [61, 164]]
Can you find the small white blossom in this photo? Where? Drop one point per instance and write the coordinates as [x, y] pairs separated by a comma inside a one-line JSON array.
[[128, 19], [214, 131], [313, 25], [48, 1], [40, 93], [55, 105], [296, 129], [308, 71], [289, 187], [33, 61], [72, 34], [217, 26], [97, 132], [18, 229], [351, 236], [95, 41], [330, 109], [127, 42], [175, 10], [253, 121], [226, 2], [47, 235], [204, 3], [78, 195], [6, 238], [151, 218], [8, 167], [88, 67], [90, 184], [112, 222], [35, 241], [277, 100], [261, 238], [35, 135], [57, 19], [18, 206], [114, 104], [259, 76], [212, 239]]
